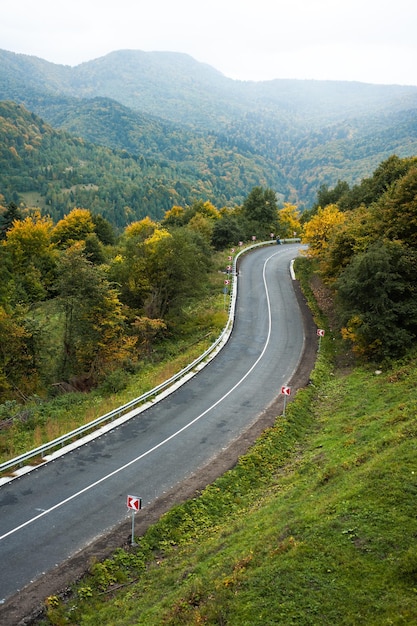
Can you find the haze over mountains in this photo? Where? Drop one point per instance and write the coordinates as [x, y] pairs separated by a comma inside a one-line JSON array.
[[211, 137]]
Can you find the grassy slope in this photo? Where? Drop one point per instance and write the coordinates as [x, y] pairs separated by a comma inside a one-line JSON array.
[[315, 525]]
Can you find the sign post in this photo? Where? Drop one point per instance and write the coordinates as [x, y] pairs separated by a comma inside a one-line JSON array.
[[134, 504], [285, 391]]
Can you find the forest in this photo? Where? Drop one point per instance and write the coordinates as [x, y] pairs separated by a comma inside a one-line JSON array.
[[57, 171], [363, 240], [145, 131], [80, 301]]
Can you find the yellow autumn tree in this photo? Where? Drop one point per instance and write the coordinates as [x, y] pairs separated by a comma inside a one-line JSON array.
[[321, 228], [141, 230], [29, 240], [289, 221], [207, 209], [351, 237], [174, 217], [18, 374], [32, 255], [76, 226], [152, 242]]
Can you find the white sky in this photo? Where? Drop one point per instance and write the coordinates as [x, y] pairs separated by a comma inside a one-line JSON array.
[[365, 40]]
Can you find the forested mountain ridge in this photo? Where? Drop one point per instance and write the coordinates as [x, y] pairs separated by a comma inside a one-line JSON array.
[[58, 171], [298, 134]]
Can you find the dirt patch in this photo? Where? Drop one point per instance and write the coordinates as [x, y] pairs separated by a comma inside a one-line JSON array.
[[345, 359], [26, 607]]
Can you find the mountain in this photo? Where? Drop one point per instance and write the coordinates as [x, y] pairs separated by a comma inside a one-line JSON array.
[[57, 171], [291, 135]]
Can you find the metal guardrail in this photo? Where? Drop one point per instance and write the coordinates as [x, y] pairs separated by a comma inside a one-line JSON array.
[[129, 406]]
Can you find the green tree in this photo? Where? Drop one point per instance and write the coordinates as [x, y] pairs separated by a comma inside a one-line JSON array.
[[371, 189], [94, 339], [128, 268], [18, 372], [396, 211], [227, 231], [327, 196], [176, 265], [8, 217], [93, 249], [376, 295], [104, 230], [259, 212]]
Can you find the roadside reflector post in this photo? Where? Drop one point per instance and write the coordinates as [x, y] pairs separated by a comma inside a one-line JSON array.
[[225, 291]]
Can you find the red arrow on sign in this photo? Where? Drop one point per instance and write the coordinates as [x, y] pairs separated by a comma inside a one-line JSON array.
[[134, 503], [286, 391], [320, 332]]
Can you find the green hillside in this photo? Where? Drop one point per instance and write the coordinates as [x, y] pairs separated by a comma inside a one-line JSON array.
[[315, 525], [292, 135], [64, 171]]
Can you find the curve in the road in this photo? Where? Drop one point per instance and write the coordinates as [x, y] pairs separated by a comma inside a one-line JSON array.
[[154, 434], [161, 443]]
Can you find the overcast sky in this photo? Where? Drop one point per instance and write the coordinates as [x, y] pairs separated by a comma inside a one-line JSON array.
[[365, 40]]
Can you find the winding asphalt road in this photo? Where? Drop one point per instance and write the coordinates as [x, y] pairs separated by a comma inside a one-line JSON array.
[[49, 514]]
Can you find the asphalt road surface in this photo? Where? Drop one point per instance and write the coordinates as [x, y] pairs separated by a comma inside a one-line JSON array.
[[59, 508]]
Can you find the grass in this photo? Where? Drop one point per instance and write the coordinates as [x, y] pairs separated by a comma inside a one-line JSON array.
[[315, 525]]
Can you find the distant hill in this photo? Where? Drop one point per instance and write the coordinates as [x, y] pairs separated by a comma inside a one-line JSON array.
[[291, 135], [58, 171]]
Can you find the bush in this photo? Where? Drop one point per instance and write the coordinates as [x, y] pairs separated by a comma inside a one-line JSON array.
[[114, 382]]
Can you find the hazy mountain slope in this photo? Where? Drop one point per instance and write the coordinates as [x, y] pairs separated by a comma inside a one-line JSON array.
[[177, 87], [62, 171], [298, 134]]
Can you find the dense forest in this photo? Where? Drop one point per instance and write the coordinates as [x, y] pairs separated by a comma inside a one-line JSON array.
[[79, 301], [364, 242], [57, 171], [188, 133]]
